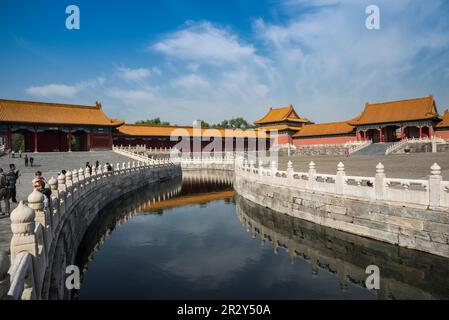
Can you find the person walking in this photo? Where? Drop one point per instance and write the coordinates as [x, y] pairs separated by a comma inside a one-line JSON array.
[[90, 167], [4, 193], [31, 161], [11, 180], [26, 160]]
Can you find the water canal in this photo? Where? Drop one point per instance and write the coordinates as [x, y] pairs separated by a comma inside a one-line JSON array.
[[196, 239]]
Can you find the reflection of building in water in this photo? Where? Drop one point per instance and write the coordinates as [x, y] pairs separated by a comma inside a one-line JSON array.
[[206, 180], [195, 188], [404, 273]]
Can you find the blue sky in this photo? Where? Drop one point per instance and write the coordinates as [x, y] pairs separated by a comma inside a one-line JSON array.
[[213, 60]]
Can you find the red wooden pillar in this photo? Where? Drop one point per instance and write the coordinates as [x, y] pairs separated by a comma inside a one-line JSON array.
[[69, 140], [431, 133], [35, 141], [89, 134], [8, 142], [420, 132], [381, 138]]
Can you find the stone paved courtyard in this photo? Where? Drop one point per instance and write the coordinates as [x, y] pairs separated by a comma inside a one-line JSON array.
[[411, 166], [50, 164]]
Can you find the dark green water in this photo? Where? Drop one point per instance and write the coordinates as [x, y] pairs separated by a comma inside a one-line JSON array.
[[229, 248]]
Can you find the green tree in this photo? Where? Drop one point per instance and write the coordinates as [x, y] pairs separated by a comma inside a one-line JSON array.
[[153, 122], [18, 142]]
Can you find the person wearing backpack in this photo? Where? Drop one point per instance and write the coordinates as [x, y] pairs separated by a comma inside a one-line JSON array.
[[4, 193], [11, 180]]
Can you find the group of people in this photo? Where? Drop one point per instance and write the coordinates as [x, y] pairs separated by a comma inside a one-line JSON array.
[[9, 180], [8, 183], [97, 164]]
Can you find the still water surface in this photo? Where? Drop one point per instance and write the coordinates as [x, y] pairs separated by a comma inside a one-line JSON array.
[[204, 242]]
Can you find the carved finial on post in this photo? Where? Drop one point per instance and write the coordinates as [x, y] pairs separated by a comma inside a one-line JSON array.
[[61, 183], [80, 175], [312, 175], [68, 178], [22, 227], [86, 173], [5, 264], [54, 187], [379, 182], [36, 202], [435, 186], [75, 178], [340, 178], [289, 170]]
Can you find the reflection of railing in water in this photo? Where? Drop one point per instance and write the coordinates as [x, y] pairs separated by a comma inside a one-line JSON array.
[[404, 273], [151, 199]]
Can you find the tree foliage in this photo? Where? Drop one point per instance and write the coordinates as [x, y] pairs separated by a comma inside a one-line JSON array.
[[153, 122]]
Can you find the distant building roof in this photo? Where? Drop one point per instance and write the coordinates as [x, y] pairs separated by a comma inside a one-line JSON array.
[[281, 115], [398, 111], [167, 131], [280, 127], [54, 113], [324, 129], [445, 122]]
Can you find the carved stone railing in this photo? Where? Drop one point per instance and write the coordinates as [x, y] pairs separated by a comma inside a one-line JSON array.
[[401, 144], [431, 193], [46, 234]]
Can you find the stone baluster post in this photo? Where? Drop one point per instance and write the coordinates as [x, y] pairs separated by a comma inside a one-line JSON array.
[[105, 171], [289, 170], [62, 195], [260, 168], [312, 175], [123, 166], [435, 186], [251, 167], [75, 184], [379, 182], [41, 214], [68, 180], [86, 177], [5, 264], [274, 169], [54, 187], [22, 226], [340, 178], [80, 179]]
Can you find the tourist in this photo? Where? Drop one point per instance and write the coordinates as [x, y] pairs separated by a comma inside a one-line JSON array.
[[89, 167], [4, 193], [26, 160], [97, 164], [40, 186], [31, 161], [38, 177], [11, 180], [13, 154], [108, 166]]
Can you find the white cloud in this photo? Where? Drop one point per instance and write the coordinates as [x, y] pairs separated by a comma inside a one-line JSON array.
[[53, 90], [134, 74], [192, 82], [206, 43]]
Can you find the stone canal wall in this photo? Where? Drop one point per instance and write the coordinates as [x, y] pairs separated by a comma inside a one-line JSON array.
[[408, 213], [46, 234]]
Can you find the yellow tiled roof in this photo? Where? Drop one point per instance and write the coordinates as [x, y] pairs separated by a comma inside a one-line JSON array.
[[445, 122], [398, 111], [280, 127], [324, 129], [280, 115], [54, 113], [182, 131]]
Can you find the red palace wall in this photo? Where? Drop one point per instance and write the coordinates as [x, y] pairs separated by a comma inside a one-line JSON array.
[[282, 139], [100, 141], [442, 133], [324, 140]]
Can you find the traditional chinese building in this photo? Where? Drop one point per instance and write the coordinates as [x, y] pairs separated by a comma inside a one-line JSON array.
[[325, 133], [393, 121], [193, 138], [442, 129], [283, 120], [44, 127]]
